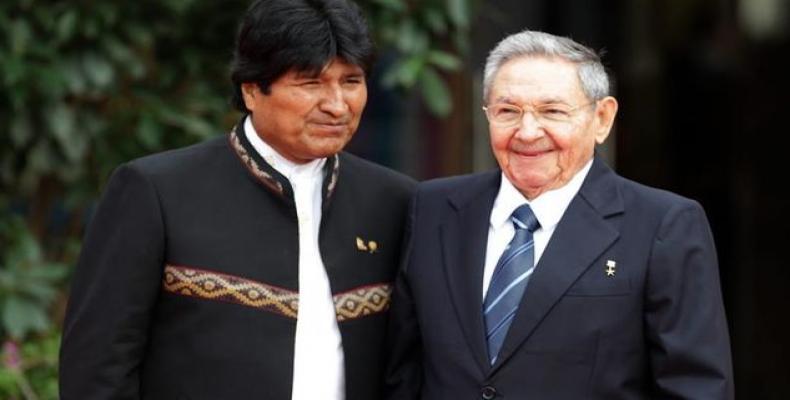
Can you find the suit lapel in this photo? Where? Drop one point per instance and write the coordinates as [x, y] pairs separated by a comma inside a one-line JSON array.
[[464, 236], [581, 236]]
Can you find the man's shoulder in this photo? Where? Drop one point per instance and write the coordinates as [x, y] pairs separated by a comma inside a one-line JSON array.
[[183, 158], [654, 194], [648, 199]]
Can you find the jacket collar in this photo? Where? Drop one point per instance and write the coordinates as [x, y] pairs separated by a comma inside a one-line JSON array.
[[269, 177]]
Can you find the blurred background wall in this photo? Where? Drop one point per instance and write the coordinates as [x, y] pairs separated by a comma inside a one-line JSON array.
[[702, 86]]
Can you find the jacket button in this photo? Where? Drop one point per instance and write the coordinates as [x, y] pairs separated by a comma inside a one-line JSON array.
[[488, 393]]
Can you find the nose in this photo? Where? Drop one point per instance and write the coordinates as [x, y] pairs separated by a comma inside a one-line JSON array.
[[333, 101], [530, 127]]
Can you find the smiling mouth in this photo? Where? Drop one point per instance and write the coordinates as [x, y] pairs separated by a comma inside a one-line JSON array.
[[531, 153]]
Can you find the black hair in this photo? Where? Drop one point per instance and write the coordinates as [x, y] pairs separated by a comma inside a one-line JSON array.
[[277, 36]]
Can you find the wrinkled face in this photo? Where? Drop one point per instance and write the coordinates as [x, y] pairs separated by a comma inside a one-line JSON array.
[[306, 117], [537, 154]]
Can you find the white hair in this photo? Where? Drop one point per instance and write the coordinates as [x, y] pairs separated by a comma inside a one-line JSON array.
[[592, 75]]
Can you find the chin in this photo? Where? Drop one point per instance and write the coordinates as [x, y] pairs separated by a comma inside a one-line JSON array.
[[531, 182]]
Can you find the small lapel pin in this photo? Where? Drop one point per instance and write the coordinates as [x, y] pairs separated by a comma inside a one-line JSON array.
[[610, 267], [370, 246]]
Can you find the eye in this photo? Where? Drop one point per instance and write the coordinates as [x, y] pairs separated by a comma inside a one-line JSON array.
[[310, 83], [555, 111], [354, 80], [505, 111]]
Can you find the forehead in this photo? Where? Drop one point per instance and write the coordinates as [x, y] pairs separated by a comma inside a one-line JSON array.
[[537, 79]]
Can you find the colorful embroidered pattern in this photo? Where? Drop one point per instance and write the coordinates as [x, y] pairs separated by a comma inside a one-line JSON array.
[[252, 166], [361, 302], [330, 188], [193, 282], [207, 285]]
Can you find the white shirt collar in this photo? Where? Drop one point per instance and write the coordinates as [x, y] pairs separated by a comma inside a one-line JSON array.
[[548, 207], [289, 169]]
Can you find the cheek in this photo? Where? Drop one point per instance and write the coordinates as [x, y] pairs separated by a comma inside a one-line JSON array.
[[575, 149], [499, 139], [356, 101]]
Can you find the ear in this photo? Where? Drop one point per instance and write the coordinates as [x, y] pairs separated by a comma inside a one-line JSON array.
[[604, 118], [250, 92]]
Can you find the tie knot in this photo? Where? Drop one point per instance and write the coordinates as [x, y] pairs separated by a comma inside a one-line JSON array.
[[524, 218]]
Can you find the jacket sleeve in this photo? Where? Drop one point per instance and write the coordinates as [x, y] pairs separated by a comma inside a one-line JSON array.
[[113, 292], [686, 328], [403, 379]]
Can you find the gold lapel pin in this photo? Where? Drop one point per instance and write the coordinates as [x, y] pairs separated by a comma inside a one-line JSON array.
[[370, 246], [361, 246], [610, 267]]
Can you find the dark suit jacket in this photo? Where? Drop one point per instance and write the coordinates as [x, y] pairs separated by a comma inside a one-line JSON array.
[[655, 329], [187, 284]]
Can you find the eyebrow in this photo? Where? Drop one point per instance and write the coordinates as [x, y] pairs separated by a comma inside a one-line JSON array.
[[307, 74], [544, 100]]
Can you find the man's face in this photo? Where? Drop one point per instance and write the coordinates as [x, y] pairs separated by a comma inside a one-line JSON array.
[[306, 117], [538, 155]]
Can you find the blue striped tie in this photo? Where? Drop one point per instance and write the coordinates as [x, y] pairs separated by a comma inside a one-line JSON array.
[[510, 277]]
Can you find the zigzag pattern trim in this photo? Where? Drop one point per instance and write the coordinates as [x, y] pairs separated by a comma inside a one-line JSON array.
[[251, 165], [193, 282], [361, 302], [208, 285]]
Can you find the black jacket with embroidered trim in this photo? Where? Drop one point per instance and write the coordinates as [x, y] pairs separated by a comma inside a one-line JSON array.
[[134, 332]]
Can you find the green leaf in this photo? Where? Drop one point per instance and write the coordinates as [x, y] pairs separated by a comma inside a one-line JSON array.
[[62, 122], [21, 130], [40, 159], [14, 69], [47, 272], [24, 250], [21, 316], [98, 70], [444, 60], [411, 39], [148, 132], [67, 25], [435, 20], [461, 42], [458, 11], [404, 73], [74, 77], [140, 34], [124, 56], [50, 82], [435, 92], [8, 383], [20, 36], [42, 292]]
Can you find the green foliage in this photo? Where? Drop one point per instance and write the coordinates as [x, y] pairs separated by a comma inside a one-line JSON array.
[[88, 85], [421, 34], [28, 282], [30, 371]]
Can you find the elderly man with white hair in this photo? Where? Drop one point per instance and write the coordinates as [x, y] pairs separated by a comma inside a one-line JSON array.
[[553, 277]]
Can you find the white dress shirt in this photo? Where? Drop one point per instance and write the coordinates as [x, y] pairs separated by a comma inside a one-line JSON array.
[[319, 371], [548, 208]]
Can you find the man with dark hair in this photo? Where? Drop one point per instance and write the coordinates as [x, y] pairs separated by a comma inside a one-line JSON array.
[[258, 264]]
